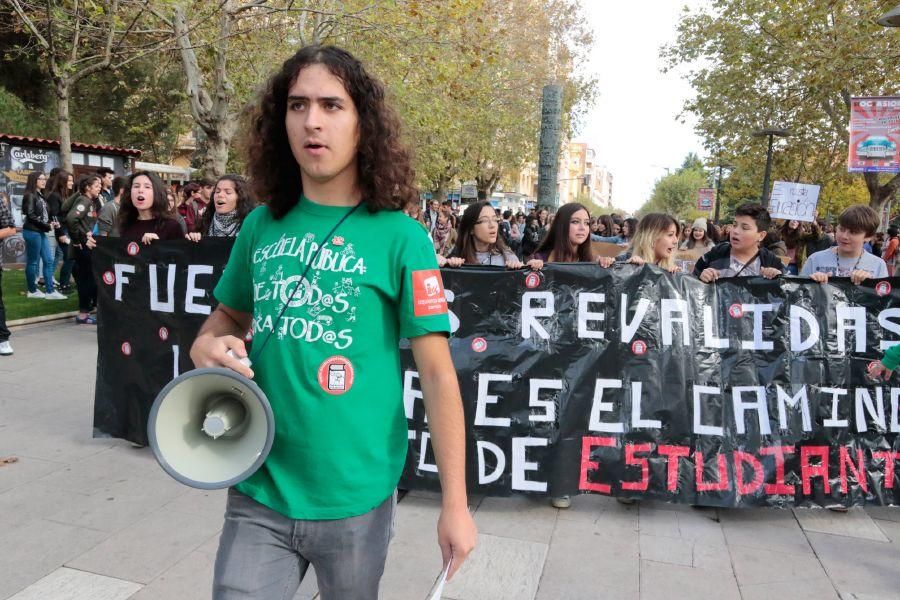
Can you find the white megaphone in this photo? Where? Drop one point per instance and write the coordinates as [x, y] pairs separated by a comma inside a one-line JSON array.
[[211, 428]]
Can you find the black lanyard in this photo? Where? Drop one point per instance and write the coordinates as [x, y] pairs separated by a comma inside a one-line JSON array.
[[747, 264], [328, 237]]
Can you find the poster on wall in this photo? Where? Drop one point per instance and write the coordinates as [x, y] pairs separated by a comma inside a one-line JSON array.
[[874, 135], [705, 198]]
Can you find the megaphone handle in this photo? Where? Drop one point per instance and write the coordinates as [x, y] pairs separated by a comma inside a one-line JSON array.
[[244, 361]]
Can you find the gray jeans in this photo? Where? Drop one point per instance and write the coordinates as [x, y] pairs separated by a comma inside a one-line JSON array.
[[264, 555]]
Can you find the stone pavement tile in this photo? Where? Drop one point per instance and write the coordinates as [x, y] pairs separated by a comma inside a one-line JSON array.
[[673, 551], [33, 550], [65, 444], [110, 466], [662, 523], [891, 529], [712, 558], [853, 523], [775, 530], [211, 546], [414, 558], [501, 569], [858, 566], [25, 470], [518, 517], [188, 579], [200, 502], [754, 566], [35, 501], [591, 561], [594, 508], [808, 589], [702, 527], [884, 513], [70, 584], [674, 582], [117, 506], [150, 546]]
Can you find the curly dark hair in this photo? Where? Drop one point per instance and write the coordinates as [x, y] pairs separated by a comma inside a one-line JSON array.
[[128, 214], [245, 201], [384, 170]]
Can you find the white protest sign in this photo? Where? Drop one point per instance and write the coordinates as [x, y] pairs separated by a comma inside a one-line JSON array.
[[794, 201]]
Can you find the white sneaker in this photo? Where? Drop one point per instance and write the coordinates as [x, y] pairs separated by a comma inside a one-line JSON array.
[[37, 294], [5, 348], [54, 296]]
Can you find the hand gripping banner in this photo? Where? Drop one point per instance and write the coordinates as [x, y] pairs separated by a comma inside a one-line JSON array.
[[627, 382]]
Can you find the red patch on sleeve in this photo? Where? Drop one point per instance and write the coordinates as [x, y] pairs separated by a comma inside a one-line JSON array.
[[428, 293]]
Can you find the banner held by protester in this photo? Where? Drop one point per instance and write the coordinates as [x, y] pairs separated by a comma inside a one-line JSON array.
[[628, 381]]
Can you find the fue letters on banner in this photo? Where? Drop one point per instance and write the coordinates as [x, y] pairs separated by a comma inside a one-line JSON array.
[[627, 381]]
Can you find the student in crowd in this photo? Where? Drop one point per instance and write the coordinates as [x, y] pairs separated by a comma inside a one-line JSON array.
[[108, 219], [36, 224], [190, 206], [144, 214], [629, 226], [531, 236], [414, 211], [569, 240], [80, 221], [478, 241], [849, 259], [106, 176], [206, 190], [774, 244], [443, 236], [889, 254], [59, 188], [655, 241], [232, 203], [700, 238], [7, 229], [741, 255]]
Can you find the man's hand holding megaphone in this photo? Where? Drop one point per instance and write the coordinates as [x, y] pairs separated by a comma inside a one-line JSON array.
[[210, 350]]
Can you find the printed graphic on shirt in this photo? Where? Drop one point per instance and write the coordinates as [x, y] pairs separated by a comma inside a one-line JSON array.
[[336, 375], [428, 293], [315, 312]]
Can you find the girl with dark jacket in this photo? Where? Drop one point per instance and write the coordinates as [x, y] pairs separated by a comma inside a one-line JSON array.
[[36, 224], [144, 212], [80, 220], [59, 187]]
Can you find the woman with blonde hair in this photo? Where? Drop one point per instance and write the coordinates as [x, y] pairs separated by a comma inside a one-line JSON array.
[[655, 242]]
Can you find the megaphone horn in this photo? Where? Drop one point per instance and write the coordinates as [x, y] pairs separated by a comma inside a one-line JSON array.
[[211, 428]]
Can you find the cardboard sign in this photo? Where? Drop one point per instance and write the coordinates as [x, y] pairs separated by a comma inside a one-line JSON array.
[[607, 249], [794, 201]]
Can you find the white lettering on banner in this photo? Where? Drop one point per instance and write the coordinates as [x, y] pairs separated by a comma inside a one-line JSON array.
[[585, 299], [425, 466], [895, 410], [864, 404], [785, 399], [834, 421], [709, 335], [499, 457], [410, 394], [629, 329], [757, 343], [699, 427], [668, 308], [636, 421], [598, 406], [484, 398], [798, 314], [535, 386], [857, 314], [155, 304], [884, 319], [759, 405], [194, 292], [530, 312], [175, 368], [120, 270], [520, 466]]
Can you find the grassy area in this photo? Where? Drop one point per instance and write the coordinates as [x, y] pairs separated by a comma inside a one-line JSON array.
[[20, 307]]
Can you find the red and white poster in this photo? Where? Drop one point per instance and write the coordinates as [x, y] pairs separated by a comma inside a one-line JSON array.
[[705, 198], [874, 135]]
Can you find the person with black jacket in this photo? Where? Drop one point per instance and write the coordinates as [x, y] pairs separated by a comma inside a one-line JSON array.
[[36, 224], [59, 187], [7, 229], [742, 255], [80, 220]]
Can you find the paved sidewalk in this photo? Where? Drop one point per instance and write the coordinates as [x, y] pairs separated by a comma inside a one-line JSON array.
[[85, 519]]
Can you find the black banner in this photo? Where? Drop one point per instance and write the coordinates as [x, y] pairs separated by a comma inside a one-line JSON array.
[[627, 381]]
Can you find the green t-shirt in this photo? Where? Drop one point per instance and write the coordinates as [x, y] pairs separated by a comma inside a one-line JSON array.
[[332, 371]]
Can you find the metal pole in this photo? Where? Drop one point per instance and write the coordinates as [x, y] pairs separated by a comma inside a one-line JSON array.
[[765, 193], [718, 193]]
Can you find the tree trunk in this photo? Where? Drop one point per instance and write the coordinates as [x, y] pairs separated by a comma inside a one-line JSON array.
[[215, 160], [65, 130], [879, 195]]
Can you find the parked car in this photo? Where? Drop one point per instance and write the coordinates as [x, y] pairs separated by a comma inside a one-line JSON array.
[[876, 147]]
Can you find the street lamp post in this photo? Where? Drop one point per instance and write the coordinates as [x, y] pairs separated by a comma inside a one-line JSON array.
[[770, 133]]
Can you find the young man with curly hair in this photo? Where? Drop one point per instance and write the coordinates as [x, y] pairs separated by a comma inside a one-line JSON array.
[[331, 274]]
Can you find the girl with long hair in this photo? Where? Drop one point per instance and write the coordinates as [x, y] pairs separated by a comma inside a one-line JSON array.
[[80, 221], [478, 241], [443, 235], [569, 240], [629, 226], [700, 238], [144, 212], [59, 188], [655, 242], [36, 225], [230, 204]]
